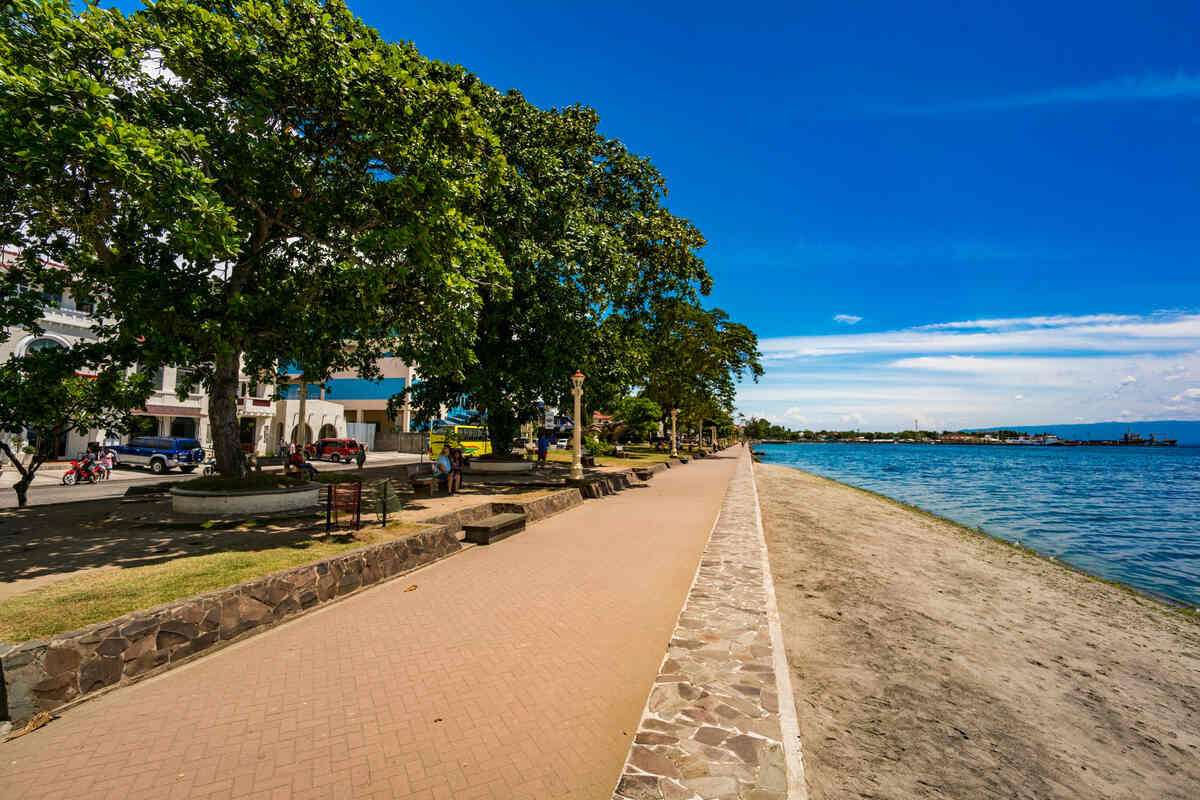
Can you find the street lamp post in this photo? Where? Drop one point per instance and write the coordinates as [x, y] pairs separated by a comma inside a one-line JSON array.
[[577, 461], [674, 440]]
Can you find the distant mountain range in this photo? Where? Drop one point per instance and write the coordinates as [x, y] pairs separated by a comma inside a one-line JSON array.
[[1186, 431]]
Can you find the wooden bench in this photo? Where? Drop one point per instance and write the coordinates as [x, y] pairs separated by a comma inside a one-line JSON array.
[[420, 476], [493, 528], [587, 460], [267, 461]]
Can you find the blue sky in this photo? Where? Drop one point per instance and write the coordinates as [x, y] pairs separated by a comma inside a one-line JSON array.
[[903, 165]]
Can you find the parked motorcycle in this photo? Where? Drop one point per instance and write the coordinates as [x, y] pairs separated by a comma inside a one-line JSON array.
[[80, 471]]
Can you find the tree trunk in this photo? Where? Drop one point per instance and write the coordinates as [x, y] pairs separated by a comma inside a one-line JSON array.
[[21, 487], [503, 429], [223, 416]]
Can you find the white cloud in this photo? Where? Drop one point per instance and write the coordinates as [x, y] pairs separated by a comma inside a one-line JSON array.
[[795, 414], [847, 319], [1029, 322], [1134, 335], [1181, 85], [969, 373]]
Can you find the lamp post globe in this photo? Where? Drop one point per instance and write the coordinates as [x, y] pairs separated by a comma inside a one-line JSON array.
[[577, 458]]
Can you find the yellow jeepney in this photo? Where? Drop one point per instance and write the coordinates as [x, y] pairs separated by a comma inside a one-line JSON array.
[[473, 439]]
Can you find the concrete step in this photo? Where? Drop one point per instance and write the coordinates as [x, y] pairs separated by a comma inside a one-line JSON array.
[[494, 528]]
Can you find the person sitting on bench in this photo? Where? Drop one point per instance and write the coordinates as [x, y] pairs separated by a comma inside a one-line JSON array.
[[442, 468], [298, 461]]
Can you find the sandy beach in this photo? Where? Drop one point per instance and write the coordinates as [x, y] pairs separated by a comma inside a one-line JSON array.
[[931, 661]]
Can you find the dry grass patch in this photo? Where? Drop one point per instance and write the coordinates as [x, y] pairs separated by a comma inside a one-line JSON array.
[[111, 592]]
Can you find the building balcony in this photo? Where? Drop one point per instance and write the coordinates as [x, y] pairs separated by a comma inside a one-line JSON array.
[[255, 407]]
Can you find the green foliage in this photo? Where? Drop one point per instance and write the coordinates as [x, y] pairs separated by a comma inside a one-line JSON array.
[[598, 447], [246, 184], [579, 223], [696, 358], [257, 185], [640, 416], [43, 393]]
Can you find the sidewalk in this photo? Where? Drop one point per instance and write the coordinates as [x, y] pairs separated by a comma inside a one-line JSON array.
[[50, 473], [518, 670]]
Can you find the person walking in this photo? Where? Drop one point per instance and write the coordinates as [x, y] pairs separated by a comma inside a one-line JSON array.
[[543, 447], [360, 456], [106, 463]]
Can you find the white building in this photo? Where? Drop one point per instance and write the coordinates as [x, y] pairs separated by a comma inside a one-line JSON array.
[[263, 418]]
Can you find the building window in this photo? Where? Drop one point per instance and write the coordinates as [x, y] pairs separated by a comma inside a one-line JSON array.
[[42, 345], [85, 305], [183, 374], [142, 425], [183, 427], [156, 376]]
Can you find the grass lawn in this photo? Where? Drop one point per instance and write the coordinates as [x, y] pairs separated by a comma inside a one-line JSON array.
[[637, 455], [83, 600]]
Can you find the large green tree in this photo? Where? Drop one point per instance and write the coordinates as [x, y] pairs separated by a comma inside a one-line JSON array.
[[245, 185], [587, 243], [697, 356], [640, 416]]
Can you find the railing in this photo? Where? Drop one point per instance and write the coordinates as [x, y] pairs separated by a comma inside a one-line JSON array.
[[344, 503]]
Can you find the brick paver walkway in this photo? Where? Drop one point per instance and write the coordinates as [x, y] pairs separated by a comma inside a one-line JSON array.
[[517, 670]]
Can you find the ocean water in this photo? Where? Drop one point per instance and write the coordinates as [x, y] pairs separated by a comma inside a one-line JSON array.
[[1125, 514]]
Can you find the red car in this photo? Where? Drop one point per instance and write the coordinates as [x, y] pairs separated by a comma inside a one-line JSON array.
[[332, 450]]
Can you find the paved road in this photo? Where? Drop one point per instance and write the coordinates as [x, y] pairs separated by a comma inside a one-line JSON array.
[[48, 488], [517, 670]]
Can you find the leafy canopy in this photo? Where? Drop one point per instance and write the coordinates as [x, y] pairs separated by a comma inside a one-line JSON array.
[[247, 184], [580, 225]]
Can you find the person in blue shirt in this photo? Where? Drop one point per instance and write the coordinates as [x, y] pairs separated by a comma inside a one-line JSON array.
[[442, 467], [543, 447]]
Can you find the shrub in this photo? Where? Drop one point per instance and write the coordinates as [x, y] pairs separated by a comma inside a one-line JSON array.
[[597, 447]]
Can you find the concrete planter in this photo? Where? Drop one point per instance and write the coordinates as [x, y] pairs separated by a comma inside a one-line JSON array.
[[269, 501], [500, 466]]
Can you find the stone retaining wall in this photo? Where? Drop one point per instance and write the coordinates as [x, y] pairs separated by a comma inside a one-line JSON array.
[[43, 675], [538, 508], [541, 507]]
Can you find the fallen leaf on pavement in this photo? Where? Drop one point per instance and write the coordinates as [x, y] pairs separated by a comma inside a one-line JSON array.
[[36, 721]]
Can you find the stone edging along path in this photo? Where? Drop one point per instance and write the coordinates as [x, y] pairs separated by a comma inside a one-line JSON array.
[[720, 720], [48, 674]]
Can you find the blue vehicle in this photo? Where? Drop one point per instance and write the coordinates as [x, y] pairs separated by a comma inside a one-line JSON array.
[[160, 453]]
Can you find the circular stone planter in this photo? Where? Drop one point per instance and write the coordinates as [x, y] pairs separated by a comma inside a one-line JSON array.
[[262, 501], [500, 466]]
